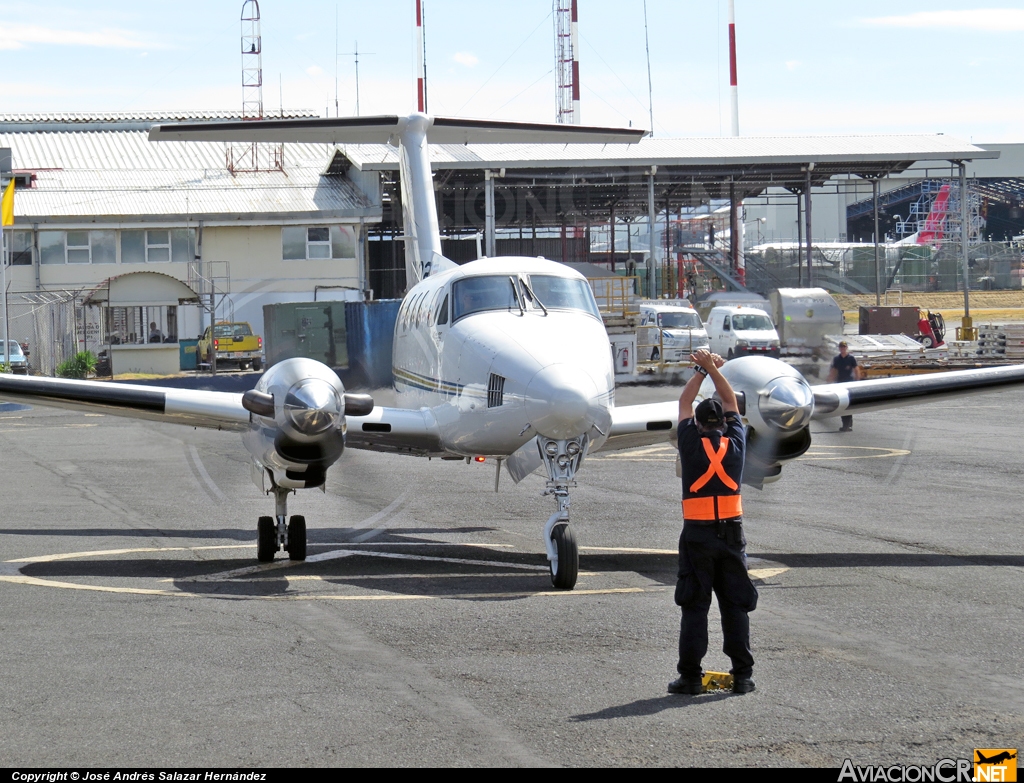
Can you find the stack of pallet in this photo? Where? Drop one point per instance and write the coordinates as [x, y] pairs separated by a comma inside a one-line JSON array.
[[1014, 336], [992, 340], [877, 346]]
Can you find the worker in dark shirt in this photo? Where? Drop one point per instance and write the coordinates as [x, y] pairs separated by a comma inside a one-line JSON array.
[[712, 548], [844, 368]]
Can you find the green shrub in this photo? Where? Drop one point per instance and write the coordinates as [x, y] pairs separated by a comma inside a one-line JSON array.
[[4, 367], [78, 366]]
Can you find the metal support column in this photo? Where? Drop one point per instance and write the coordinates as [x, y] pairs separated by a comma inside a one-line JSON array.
[[878, 269], [809, 233], [799, 242], [652, 259], [966, 330], [734, 231], [489, 214]]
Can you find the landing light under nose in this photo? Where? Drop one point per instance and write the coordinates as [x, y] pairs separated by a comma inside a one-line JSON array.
[[786, 404]]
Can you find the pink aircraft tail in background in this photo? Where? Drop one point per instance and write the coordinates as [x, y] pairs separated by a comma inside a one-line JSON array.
[[933, 231]]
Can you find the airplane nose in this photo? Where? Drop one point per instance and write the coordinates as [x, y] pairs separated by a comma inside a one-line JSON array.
[[560, 402], [786, 404], [313, 406]]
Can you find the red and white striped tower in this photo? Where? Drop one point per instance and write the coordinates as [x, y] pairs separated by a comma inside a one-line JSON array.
[[736, 213], [567, 64], [421, 75], [734, 92]]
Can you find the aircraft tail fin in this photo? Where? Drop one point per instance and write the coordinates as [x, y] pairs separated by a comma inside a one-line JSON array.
[[932, 233], [410, 134]]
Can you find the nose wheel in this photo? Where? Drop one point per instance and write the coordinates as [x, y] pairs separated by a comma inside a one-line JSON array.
[[565, 566], [273, 535]]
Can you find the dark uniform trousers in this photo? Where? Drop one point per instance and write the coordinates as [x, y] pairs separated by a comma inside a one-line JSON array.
[[712, 557]]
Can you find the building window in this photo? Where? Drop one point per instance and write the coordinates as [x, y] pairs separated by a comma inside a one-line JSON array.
[[75, 247], [157, 246], [19, 245], [317, 242], [140, 325]]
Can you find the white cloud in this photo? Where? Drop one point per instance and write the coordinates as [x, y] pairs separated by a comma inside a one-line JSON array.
[[466, 58], [792, 65], [314, 70], [18, 36], [987, 19]]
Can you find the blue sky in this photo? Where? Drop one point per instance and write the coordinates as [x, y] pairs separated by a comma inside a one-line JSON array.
[[804, 67]]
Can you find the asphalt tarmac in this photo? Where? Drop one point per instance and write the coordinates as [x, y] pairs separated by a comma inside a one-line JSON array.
[[423, 630]]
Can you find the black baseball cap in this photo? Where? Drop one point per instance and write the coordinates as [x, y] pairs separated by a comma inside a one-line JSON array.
[[710, 413]]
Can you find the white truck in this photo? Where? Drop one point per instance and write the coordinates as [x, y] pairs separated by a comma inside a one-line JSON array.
[[742, 331], [670, 330]]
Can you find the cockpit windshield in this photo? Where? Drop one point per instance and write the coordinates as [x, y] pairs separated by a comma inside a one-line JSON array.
[[476, 294], [564, 293], [679, 321], [752, 322]]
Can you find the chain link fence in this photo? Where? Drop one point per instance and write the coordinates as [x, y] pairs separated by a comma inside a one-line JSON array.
[[51, 324], [850, 269]]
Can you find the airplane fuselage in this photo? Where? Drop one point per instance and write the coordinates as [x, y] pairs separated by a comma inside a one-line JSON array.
[[502, 350]]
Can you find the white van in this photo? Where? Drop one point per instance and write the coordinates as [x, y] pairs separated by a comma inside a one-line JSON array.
[[672, 327], [742, 331]]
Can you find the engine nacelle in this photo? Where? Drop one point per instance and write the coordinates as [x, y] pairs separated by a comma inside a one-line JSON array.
[[778, 405], [297, 428]]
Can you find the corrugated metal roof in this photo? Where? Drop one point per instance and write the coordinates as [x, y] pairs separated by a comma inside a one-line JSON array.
[[110, 175], [156, 116], [711, 151], [142, 120]]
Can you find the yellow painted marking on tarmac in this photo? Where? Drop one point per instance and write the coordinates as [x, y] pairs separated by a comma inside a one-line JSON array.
[[102, 552], [368, 577], [31, 580], [657, 453], [765, 573], [469, 596], [98, 415], [46, 427], [822, 455], [635, 550]]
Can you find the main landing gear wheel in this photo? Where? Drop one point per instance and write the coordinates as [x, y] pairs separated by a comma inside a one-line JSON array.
[[266, 540], [297, 538], [566, 567]]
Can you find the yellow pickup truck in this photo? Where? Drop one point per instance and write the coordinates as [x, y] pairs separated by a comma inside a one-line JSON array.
[[233, 343]]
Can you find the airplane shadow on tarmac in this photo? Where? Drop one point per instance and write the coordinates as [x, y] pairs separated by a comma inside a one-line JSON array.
[[408, 565]]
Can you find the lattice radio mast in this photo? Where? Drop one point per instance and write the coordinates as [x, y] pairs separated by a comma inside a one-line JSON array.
[[567, 65], [253, 156]]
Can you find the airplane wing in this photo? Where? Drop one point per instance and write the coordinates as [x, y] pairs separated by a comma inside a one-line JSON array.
[[840, 399], [208, 409], [642, 425], [398, 430]]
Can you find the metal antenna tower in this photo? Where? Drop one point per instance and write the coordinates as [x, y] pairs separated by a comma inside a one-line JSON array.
[[567, 65], [253, 156]]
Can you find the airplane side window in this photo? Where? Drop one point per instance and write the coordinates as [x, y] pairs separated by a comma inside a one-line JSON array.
[[442, 314], [432, 309]]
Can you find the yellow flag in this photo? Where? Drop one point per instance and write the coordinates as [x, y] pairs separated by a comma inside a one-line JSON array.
[[7, 208]]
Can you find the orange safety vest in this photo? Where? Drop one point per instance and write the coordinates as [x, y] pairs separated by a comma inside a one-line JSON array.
[[713, 507]]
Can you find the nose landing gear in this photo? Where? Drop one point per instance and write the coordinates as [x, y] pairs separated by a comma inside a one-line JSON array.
[[562, 458], [286, 534]]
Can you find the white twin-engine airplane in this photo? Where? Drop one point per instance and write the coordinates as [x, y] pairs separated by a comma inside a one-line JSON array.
[[505, 358]]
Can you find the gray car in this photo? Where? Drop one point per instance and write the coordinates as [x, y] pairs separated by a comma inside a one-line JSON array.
[[18, 361]]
